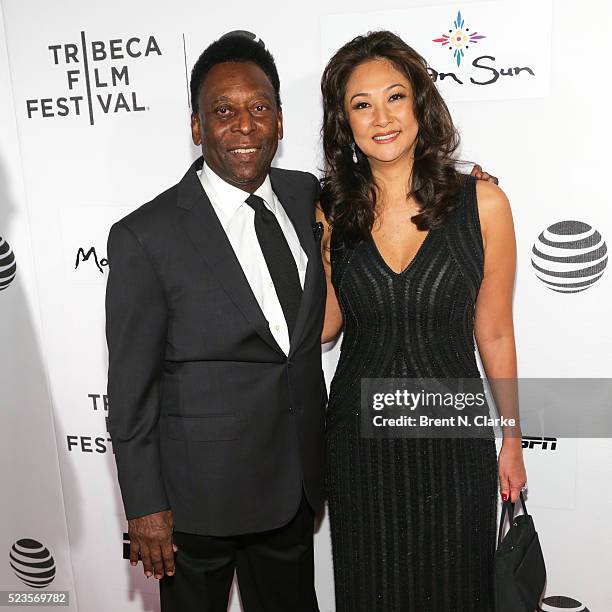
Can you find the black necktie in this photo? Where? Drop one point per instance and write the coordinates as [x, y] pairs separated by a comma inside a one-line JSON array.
[[279, 260]]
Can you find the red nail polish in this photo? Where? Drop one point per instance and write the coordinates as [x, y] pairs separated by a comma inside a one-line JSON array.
[[504, 497]]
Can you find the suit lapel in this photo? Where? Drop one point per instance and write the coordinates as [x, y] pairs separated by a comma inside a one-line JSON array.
[[209, 238], [294, 205]]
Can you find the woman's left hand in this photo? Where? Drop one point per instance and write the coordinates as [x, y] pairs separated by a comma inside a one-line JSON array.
[[512, 474]]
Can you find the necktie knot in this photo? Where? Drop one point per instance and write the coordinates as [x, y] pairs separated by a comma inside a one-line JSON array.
[[256, 203]]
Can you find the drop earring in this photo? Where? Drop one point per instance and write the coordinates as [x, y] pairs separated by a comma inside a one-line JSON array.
[[355, 160]]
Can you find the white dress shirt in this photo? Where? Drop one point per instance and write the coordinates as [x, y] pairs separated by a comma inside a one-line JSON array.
[[238, 221]]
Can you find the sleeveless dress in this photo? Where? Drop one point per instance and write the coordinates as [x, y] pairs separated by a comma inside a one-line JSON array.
[[413, 521]]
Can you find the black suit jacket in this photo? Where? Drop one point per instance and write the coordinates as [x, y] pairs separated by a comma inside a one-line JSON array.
[[207, 415]]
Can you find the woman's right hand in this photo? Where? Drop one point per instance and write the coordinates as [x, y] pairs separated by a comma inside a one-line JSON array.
[[333, 322]]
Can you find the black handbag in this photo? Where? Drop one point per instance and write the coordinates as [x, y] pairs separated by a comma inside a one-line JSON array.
[[520, 573]]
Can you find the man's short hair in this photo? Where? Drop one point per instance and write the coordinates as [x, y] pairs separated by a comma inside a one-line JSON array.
[[238, 46]]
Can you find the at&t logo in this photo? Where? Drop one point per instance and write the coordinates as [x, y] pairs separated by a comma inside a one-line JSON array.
[[569, 256], [560, 603], [8, 266], [32, 563]]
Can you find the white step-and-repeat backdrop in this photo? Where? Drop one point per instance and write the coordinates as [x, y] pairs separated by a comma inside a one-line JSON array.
[[95, 121]]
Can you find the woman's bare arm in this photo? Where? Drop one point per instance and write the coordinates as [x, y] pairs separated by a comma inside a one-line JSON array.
[[494, 329], [333, 313]]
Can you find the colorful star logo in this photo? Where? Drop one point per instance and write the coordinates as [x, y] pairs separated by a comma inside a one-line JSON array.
[[459, 38]]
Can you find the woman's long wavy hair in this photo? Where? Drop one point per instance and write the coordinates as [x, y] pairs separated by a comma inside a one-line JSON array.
[[348, 194]]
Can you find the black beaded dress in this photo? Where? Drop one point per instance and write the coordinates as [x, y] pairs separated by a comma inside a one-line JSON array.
[[412, 521]]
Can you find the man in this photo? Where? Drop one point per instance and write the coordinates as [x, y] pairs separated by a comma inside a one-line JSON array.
[[215, 304]]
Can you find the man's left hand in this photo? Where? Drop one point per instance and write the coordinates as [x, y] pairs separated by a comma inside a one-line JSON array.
[[483, 176]]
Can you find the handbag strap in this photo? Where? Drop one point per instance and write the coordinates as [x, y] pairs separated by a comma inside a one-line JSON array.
[[508, 506]]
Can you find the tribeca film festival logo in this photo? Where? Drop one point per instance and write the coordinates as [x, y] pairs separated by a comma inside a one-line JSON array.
[[98, 403], [8, 265], [561, 603], [459, 40], [569, 256], [97, 78], [32, 563]]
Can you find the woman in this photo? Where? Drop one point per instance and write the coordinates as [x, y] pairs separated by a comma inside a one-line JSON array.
[[419, 260]]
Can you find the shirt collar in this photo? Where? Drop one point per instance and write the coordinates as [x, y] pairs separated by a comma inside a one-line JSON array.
[[265, 192], [231, 198]]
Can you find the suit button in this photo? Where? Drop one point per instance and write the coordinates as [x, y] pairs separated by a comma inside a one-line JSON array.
[[290, 409], [289, 363]]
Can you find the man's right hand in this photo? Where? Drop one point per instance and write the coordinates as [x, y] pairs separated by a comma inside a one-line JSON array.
[[151, 539]]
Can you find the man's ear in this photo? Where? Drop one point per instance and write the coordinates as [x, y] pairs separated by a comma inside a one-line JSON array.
[[196, 133], [280, 124]]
